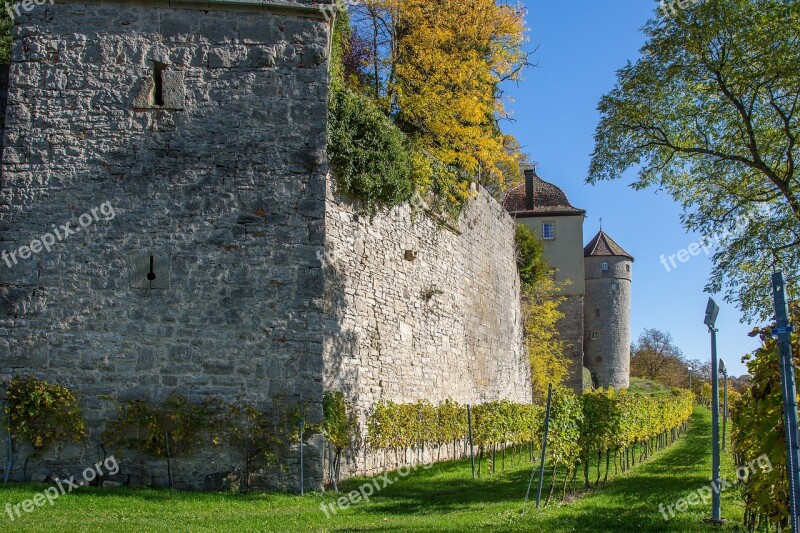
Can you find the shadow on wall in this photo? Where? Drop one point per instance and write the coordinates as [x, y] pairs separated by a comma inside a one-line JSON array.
[[227, 198]]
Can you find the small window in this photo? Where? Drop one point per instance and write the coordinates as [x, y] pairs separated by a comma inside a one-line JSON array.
[[597, 312], [549, 231], [615, 287], [595, 335], [158, 84], [604, 266], [628, 268]]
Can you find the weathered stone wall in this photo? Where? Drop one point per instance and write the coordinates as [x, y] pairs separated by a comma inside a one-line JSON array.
[[416, 310], [608, 314], [223, 184], [194, 140]]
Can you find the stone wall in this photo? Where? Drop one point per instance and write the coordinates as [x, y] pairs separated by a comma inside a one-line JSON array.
[[212, 258], [222, 183], [418, 310]]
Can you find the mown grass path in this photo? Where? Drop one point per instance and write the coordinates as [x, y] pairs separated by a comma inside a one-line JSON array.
[[443, 498]]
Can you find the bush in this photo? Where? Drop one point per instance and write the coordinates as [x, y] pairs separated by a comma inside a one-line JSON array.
[[530, 257], [144, 427], [367, 151], [41, 413]]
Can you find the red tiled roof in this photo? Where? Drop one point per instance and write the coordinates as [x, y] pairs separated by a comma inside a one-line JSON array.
[[547, 200], [603, 245]]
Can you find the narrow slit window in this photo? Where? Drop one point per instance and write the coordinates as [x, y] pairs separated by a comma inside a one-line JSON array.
[[158, 84]]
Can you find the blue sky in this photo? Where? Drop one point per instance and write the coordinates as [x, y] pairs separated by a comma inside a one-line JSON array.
[[580, 46]]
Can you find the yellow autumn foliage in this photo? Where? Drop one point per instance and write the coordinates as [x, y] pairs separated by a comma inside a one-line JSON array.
[[545, 347], [437, 67]]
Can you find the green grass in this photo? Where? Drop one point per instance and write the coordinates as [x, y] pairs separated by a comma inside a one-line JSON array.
[[647, 387], [443, 498]]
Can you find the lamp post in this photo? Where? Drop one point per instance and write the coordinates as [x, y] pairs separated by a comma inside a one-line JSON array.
[[712, 311], [724, 371]]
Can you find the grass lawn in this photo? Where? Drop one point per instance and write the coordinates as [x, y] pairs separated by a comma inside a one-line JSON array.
[[443, 498]]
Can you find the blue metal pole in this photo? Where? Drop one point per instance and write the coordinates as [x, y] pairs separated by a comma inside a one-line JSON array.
[[716, 501], [544, 449], [789, 389]]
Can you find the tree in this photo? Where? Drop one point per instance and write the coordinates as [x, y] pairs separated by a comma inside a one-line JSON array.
[[654, 356], [530, 257], [710, 114], [545, 347], [437, 67]]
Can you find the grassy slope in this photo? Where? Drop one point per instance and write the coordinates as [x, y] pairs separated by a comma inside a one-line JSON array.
[[647, 387], [441, 499]]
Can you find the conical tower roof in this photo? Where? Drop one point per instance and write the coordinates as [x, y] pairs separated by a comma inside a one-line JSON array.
[[604, 246]]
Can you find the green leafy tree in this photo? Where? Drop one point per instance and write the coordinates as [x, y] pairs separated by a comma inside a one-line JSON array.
[[530, 256], [368, 152], [709, 113]]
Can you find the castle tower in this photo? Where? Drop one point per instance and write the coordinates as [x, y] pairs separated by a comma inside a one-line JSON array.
[[545, 208], [607, 315]]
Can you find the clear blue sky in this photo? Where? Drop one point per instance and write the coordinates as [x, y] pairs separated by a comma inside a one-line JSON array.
[[580, 46]]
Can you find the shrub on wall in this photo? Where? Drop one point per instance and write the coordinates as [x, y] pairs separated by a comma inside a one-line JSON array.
[[41, 413], [367, 151], [338, 427], [530, 257], [174, 427]]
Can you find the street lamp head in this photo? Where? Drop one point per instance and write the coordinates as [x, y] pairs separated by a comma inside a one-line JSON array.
[[712, 310], [722, 368]]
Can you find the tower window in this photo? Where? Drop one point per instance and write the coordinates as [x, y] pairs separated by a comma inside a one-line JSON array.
[[549, 231], [595, 335], [604, 266], [615, 287], [628, 268], [597, 312]]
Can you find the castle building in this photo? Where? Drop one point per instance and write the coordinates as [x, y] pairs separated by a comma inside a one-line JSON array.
[[545, 209], [597, 278]]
